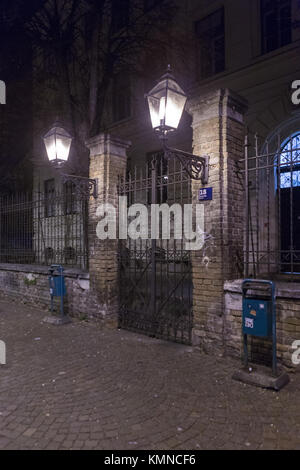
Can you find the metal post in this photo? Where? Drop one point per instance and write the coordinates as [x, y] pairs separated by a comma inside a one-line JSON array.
[[1, 205], [247, 207], [51, 287], [245, 350], [153, 248], [274, 338], [61, 292], [51, 303]]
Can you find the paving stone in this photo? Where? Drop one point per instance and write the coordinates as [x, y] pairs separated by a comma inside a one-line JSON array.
[[118, 392]]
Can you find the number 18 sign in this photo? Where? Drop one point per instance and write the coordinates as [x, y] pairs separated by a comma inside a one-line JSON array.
[[205, 194]]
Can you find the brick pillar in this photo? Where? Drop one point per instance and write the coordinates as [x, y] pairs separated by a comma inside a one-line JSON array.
[[107, 162], [218, 131]]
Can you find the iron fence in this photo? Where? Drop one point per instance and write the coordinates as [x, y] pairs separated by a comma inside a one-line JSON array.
[[44, 228], [272, 183]]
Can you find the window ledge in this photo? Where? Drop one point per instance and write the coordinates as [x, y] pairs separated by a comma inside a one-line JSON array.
[[262, 57], [120, 122], [290, 290], [32, 268]]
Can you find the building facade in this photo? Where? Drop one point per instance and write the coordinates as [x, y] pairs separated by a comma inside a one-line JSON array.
[[237, 62]]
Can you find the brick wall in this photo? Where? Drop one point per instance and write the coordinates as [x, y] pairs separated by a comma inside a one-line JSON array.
[[107, 162], [218, 131], [288, 324]]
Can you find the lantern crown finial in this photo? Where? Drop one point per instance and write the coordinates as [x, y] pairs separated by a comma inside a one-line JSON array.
[[168, 74]]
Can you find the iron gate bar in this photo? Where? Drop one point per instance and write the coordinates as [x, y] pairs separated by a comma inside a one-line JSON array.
[[174, 290], [247, 204], [153, 244], [135, 284], [279, 193]]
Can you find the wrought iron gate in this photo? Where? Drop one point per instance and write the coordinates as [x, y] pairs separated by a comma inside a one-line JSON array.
[[272, 182], [155, 274]]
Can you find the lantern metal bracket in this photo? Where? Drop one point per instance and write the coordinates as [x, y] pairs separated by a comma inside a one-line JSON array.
[[83, 185], [195, 166]]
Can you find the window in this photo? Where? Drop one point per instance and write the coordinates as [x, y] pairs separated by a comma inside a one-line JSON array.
[[49, 192], [210, 33], [120, 14], [69, 198], [275, 24], [121, 97], [49, 255], [290, 163], [70, 254]]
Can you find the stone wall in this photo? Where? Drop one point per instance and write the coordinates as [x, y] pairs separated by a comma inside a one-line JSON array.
[[28, 283], [288, 324]]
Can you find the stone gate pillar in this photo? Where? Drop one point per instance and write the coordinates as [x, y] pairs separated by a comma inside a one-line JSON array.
[[218, 131], [107, 162]]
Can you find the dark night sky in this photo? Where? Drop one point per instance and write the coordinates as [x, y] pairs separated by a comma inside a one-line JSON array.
[[16, 115]]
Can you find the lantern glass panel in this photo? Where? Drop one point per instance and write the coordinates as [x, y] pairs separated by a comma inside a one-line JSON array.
[[153, 104], [166, 104], [174, 108], [58, 144]]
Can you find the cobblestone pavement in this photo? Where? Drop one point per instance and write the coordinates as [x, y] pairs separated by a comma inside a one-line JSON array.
[[80, 387]]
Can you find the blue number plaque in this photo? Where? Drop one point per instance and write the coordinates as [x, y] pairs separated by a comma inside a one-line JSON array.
[[205, 194]]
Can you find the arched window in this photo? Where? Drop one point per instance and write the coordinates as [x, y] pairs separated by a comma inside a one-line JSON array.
[[290, 162]]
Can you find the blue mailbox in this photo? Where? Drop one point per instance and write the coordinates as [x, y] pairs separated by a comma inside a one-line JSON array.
[[57, 285], [57, 281], [257, 317]]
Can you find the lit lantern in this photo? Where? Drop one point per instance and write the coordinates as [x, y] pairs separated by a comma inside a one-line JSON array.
[[166, 103], [58, 143]]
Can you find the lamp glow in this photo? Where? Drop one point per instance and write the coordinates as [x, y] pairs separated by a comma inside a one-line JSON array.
[[58, 143], [166, 103]]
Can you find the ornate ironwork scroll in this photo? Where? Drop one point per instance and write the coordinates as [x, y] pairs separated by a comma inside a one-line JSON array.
[[84, 186], [195, 166]]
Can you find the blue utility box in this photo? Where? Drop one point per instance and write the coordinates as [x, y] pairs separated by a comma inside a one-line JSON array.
[[57, 281], [57, 285], [259, 314], [257, 317]]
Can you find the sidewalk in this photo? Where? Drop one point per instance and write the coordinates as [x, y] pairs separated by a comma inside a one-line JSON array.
[[79, 387]]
